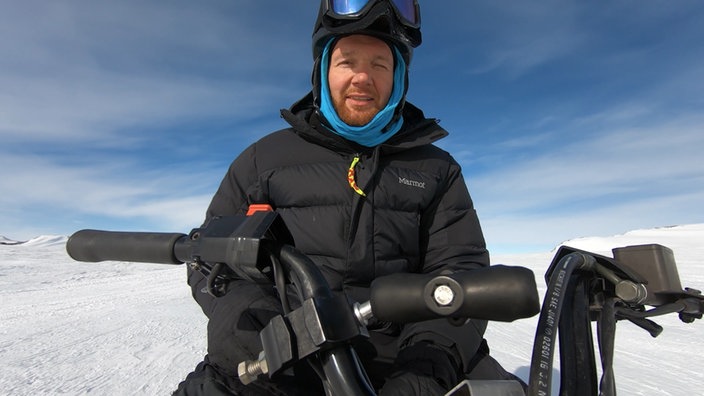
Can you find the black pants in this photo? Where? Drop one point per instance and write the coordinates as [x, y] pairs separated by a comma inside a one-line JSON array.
[[206, 380]]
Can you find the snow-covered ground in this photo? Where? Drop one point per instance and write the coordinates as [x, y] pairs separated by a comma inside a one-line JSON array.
[[669, 365], [100, 328], [127, 328]]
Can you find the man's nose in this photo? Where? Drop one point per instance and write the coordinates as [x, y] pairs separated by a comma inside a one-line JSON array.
[[361, 76]]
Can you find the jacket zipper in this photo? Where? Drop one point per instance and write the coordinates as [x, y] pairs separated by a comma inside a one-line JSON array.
[[351, 177]]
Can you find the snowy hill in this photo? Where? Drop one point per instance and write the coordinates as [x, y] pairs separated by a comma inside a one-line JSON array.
[[132, 329], [675, 237], [43, 240], [6, 241], [46, 240]]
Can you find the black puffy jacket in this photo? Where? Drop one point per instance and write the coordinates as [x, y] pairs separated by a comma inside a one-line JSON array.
[[416, 214]]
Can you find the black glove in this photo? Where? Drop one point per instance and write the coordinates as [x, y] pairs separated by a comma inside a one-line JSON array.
[[410, 384], [234, 323], [421, 369]]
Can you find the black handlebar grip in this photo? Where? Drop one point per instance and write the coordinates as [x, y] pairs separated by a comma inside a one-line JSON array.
[[144, 247], [499, 293]]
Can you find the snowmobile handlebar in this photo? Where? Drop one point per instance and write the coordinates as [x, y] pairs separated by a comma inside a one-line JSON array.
[[259, 248], [497, 293], [145, 247]]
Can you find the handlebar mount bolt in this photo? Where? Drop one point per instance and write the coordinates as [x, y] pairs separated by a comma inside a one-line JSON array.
[[443, 295], [249, 370]]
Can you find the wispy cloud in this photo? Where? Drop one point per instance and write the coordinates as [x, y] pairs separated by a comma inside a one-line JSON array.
[[577, 119], [80, 71], [97, 100], [613, 178], [39, 187], [568, 119], [533, 232]]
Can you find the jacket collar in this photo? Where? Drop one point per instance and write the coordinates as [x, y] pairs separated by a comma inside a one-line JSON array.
[[417, 130]]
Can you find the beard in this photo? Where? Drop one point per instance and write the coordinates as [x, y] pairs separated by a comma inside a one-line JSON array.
[[354, 117]]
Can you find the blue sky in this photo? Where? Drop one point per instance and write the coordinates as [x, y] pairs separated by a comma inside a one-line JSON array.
[[569, 118]]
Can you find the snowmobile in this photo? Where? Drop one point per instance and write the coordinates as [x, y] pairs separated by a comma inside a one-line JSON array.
[[582, 288]]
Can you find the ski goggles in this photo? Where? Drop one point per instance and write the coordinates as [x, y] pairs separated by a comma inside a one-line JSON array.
[[407, 11]]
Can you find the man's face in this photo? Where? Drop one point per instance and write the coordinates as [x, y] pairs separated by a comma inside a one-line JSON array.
[[361, 78]]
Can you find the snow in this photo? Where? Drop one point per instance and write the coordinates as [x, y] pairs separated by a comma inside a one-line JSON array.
[[101, 328], [46, 240], [6, 241], [120, 328], [669, 365]]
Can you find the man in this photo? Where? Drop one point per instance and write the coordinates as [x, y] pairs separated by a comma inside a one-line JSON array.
[[365, 194]]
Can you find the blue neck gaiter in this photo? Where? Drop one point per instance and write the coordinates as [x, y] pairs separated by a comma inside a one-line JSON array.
[[376, 131]]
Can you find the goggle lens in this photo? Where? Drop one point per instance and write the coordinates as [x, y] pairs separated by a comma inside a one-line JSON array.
[[348, 7], [406, 8]]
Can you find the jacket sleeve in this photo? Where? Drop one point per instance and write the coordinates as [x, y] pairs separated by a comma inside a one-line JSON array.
[[236, 191], [452, 241]]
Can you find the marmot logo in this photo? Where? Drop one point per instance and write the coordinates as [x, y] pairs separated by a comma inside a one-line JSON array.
[[412, 183]]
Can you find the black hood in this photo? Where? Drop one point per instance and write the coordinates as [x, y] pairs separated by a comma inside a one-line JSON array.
[[417, 130]]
